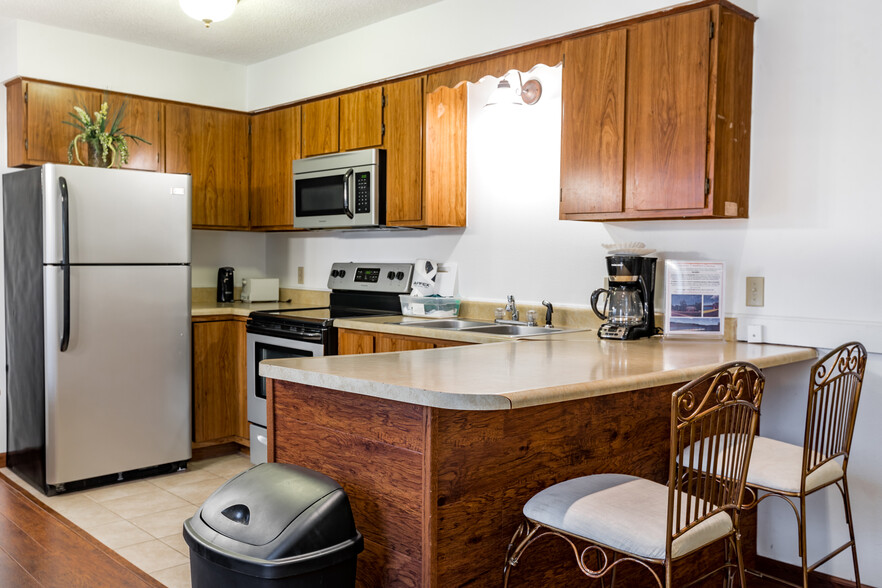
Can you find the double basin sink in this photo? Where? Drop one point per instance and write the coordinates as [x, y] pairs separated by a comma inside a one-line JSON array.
[[479, 327]]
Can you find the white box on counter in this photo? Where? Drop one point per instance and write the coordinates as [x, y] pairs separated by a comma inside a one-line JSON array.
[[260, 290]]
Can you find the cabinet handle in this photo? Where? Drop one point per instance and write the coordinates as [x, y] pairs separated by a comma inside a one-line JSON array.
[[261, 439]]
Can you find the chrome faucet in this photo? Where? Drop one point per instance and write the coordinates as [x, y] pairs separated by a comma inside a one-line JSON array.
[[549, 309], [512, 307]]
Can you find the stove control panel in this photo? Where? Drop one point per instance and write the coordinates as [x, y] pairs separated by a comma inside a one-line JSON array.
[[371, 277]]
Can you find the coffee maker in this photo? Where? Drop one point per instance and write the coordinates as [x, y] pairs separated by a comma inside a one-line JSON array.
[[629, 308]]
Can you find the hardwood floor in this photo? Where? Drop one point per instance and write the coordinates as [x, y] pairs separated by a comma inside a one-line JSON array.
[[40, 548]]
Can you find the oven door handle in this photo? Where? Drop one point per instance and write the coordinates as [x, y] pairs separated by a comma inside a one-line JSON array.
[[347, 179]]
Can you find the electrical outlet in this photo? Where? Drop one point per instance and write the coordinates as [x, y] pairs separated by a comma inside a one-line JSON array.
[[755, 291], [300, 274], [755, 333]]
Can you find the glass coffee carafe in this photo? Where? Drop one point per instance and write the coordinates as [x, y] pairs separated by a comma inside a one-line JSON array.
[[623, 305]]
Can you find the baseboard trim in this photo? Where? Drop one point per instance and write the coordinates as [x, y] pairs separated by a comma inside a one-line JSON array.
[[2, 460], [793, 573]]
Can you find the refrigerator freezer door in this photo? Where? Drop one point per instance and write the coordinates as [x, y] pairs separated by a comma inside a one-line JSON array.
[[117, 216], [119, 398]]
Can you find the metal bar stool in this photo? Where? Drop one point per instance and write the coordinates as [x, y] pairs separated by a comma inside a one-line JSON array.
[[792, 473], [713, 420]]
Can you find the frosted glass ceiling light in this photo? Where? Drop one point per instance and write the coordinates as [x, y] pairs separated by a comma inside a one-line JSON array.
[[209, 11]]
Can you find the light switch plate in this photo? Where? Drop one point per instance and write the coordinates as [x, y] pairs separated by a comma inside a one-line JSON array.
[[755, 291]]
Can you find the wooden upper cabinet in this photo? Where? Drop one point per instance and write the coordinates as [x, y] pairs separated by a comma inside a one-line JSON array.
[[36, 112], [444, 184], [361, 119], [211, 145], [668, 81], [320, 127], [143, 118], [275, 143], [404, 152], [593, 122], [686, 99]]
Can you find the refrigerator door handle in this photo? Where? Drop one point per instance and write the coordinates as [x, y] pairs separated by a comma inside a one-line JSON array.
[[65, 264]]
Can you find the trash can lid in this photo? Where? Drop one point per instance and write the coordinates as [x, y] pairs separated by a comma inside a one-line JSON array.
[[258, 504]]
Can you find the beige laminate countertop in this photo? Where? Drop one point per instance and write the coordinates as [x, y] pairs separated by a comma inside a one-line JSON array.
[[198, 309], [526, 372]]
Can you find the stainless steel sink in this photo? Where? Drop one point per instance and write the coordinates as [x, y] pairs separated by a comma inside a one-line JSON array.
[[443, 324], [513, 330]]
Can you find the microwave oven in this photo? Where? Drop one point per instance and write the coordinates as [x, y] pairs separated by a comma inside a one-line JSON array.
[[340, 190]]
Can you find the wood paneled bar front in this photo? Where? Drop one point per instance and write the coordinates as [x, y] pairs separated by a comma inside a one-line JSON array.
[[437, 490]]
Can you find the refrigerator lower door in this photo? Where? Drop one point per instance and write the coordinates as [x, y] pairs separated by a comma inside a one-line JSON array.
[[118, 398]]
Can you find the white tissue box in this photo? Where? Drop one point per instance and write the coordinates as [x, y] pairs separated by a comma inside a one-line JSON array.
[[261, 290]]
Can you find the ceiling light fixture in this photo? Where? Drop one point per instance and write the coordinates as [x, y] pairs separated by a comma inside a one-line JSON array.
[[527, 93], [209, 11]]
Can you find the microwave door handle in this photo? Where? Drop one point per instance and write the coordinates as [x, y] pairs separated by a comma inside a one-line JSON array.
[[347, 177]]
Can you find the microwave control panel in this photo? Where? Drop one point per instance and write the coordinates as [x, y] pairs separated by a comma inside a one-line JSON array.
[[362, 192]]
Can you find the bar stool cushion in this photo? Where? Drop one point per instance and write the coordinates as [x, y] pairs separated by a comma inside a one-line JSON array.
[[626, 513], [778, 465]]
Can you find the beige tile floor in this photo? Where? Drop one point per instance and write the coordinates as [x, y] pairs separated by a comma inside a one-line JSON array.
[[142, 520]]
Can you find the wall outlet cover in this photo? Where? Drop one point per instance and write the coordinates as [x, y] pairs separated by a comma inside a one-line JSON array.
[[754, 333]]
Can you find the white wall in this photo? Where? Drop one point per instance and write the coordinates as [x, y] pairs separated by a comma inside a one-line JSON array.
[[61, 55], [436, 34]]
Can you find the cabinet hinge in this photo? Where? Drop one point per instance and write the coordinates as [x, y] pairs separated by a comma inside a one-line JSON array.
[[711, 29], [706, 186], [26, 144]]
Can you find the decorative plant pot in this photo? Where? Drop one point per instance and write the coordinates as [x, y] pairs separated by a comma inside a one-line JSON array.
[[94, 156]]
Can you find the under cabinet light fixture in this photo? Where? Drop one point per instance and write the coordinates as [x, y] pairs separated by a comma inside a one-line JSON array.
[[209, 11], [527, 93]]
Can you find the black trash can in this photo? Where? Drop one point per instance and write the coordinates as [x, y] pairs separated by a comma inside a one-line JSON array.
[[274, 525]]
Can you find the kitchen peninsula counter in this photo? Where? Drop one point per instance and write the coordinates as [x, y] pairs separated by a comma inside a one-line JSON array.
[[439, 449], [526, 372]]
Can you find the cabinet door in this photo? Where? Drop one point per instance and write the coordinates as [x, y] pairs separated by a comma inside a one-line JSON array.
[[668, 77], [354, 342], [212, 146], [47, 107], [219, 381], [361, 119], [593, 124], [321, 127], [275, 143], [444, 187], [177, 139], [219, 156], [385, 343], [142, 118], [404, 152]]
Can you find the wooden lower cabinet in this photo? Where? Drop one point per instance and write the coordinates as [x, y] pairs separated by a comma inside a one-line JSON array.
[[220, 406], [357, 342]]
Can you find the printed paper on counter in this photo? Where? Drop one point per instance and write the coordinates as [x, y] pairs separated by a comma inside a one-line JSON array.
[[694, 298]]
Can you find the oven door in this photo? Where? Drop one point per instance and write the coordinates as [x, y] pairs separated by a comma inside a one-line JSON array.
[[262, 347]]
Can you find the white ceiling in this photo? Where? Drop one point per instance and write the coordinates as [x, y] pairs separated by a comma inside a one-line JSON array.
[[257, 30]]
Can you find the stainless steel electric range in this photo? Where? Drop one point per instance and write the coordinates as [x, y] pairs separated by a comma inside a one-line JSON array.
[[357, 290]]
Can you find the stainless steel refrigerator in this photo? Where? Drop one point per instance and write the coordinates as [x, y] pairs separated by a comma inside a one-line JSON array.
[[97, 279]]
